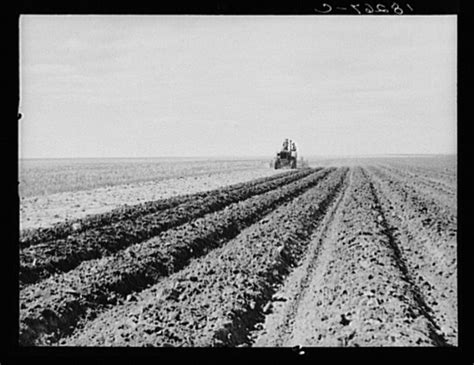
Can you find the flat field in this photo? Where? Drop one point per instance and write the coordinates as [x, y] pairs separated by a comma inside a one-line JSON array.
[[52, 191], [344, 253]]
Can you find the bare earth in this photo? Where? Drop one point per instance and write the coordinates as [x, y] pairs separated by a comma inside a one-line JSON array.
[[349, 253], [45, 210]]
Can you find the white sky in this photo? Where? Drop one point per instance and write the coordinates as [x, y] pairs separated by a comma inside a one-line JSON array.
[[138, 86]]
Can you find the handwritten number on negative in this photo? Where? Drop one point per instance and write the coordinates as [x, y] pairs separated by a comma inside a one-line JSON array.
[[381, 8], [325, 6], [367, 8], [397, 9], [356, 8]]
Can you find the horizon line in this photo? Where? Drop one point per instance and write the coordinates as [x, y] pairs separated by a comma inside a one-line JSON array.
[[238, 157]]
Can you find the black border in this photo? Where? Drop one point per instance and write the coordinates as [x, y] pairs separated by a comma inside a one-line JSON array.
[[10, 351], [219, 7]]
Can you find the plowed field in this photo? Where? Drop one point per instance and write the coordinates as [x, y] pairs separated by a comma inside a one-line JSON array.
[[352, 255]]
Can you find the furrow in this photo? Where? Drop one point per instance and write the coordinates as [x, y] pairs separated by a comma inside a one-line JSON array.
[[434, 331], [359, 293], [441, 219], [422, 183], [446, 176], [40, 261], [53, 307], [429, 254], [30, 237], [217, 298], [277, 327]]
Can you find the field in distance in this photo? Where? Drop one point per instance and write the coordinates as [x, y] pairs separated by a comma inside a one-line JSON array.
[[54, 190], [49, 176]]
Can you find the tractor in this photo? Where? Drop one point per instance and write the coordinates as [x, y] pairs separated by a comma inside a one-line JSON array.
[[287, 157]]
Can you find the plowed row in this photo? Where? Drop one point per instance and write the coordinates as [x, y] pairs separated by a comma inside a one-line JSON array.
[[30, 237], [436, 186], [438, 212], [54, 305], [360, 256], [215, 299], [428, 240], [365, 280], [446, 173], [135, 225]]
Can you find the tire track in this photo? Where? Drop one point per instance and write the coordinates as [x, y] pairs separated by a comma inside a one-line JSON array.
[[279, 322]]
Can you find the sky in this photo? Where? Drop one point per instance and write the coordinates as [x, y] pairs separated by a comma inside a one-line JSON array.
[[162, 86]]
